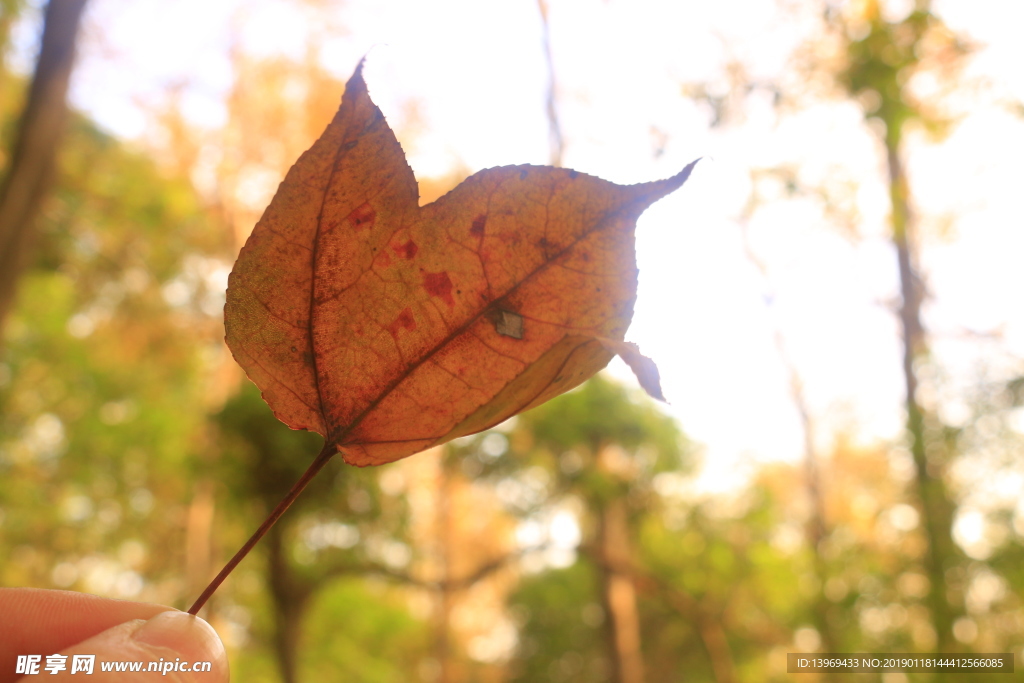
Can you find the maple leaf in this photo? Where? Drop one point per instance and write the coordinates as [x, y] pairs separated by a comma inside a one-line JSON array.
[[389, 328]]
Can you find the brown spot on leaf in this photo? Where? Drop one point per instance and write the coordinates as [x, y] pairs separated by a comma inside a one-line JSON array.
[[439, 285], [403, 321], [363, 216], [407, 250], [477, 229]]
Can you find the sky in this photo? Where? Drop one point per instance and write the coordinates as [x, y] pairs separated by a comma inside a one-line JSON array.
[[709, 315]]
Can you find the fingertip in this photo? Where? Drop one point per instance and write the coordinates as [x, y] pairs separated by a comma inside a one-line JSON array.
[[181, 648], [192, 644]]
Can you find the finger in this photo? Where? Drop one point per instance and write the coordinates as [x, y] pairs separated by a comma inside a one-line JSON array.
[[180, 647], [36, 621]]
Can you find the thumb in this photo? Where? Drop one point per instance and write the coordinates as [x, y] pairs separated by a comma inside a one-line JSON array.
[[181, 647]]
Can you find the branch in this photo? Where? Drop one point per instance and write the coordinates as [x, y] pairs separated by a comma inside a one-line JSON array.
[[462, 583], [28, 178]]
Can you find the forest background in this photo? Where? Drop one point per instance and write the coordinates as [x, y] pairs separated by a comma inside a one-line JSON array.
[[832, 299]]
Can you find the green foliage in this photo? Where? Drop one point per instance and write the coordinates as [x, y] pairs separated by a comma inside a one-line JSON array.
[[261, 459], [359, 632], [101, 380], [311, 562], [603, 412], [10, 12], [569, 435], [599, 444], [880, 63], [881, 57], [561, 635]]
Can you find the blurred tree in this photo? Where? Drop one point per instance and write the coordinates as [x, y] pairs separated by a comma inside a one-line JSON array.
[[102, 375], [723, 587], [816, 526], [464, 556], [603, 448], [262, 460], [740, 569], [102, 381], [561, 636], [29, 173], [878, 57], [990, 518], [871, 52], [311, 546], [354, 551]]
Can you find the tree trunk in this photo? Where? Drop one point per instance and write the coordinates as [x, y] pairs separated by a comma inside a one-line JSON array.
[[816, 529], [198, 537], [30, 173], [717, 645], [289, 599], [619, 594], [934, 501], [708, 622], [443, 650], [556, 141]]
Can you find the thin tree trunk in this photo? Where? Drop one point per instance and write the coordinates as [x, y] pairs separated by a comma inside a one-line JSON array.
[[709, 627], [198, 537], [447, 672], [620, 593], [28, 178], [555, 139], [717, 645], [816, 528], [707, 620], [933, 498], [289, 600]]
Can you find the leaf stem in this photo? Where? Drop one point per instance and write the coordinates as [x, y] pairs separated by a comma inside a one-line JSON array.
[[328, 451]]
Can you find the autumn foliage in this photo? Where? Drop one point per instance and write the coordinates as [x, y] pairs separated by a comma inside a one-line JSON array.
[[389, 328]]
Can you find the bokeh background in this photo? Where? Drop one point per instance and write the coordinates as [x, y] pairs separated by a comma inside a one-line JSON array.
[[833, 300]]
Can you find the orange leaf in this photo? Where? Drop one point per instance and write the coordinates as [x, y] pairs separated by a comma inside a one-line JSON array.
[[389, 327]]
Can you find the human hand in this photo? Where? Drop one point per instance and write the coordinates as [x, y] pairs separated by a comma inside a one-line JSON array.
[[46, 622]]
